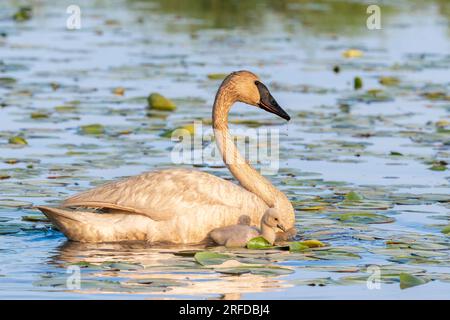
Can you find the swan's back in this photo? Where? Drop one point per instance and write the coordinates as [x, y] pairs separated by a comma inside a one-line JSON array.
[[163, 194]]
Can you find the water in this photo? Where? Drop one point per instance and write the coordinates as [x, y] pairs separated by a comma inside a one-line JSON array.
[[339, 140]]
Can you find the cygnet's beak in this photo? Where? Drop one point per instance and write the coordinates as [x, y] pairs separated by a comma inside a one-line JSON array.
[[280, 226], [268, 103]]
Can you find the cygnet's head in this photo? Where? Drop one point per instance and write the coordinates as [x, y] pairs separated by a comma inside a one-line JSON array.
[[244, 220], [272, 218]]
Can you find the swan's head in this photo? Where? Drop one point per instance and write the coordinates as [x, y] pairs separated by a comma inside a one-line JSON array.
[[250, 90], [272, 218]]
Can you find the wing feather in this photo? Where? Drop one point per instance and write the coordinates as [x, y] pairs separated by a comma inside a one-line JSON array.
[[163, 194]]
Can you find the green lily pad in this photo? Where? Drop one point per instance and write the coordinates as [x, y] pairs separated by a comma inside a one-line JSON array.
[[188, 129], [258, 243], [119, 266], [217, 76], [408, 280], [159, 102], [446, 230], [23, 14], [14, 203], [94, 129], [38, 115], [17, 140], [389, 81], [35, 218], [206, 258], [297, 246], [363, 217], [353, 196], [357, 83]]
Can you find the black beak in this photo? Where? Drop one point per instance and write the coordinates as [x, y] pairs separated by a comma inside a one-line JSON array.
[[268, 103], [281, 227]]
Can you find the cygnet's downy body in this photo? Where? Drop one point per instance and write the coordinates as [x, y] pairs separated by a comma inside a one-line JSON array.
[[238, 235]]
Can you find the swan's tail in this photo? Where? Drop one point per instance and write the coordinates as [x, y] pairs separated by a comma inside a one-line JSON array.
[[85, 226]]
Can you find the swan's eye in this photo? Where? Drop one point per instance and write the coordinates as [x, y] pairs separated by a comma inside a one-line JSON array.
[[276, 219]]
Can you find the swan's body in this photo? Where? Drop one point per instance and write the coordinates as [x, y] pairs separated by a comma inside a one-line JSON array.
[[240, 234], [180, 205]]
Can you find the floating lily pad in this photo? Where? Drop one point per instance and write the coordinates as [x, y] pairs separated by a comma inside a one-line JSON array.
[[362, 217], [353, 196], [217, 76], [352, 53], [389, 81], [258, 243], [206, 258], [408, 280], [35, 218], [188, 129], [94, 129], [159, 102], [446, 230], [17, 140], [357, 83], [23, 14]]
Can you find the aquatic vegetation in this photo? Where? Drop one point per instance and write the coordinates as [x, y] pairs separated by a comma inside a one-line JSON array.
[[366, 170], [159, 102]]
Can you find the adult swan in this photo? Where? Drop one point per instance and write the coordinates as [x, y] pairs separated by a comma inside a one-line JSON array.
[[181, 205]]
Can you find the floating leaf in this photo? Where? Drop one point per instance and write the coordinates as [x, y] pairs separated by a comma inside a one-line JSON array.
[[188, 129], [408, 280], [297, 246], [362, 217], [119, 91], [4, 176], [118, 266], [352, 53], [159, 102], [389, 81], [446, 230], [35, 218], [39, 115], [258, 243], [17, 140], [206, 258], [313, 243], [357, 83], [94, 129], [217, 76], [7, 82], [353, 196], [23, 14]]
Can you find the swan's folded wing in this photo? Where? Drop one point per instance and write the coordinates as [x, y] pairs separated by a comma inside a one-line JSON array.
[[163, 194]]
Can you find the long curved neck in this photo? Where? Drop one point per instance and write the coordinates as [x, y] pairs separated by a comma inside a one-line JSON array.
[[247, 176]]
